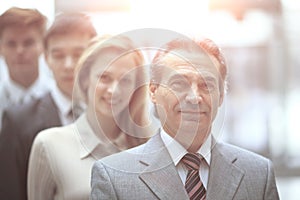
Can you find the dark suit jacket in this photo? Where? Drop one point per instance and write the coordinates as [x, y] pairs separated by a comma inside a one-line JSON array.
[[20, 125]]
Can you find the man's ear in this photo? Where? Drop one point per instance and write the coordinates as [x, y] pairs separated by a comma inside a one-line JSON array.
[[152, 91], [221, 99], [46, 56]]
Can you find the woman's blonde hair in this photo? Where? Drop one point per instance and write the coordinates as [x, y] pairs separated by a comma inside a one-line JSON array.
[[135, 118]]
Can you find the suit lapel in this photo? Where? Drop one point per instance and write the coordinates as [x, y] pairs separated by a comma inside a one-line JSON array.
[[224, 177], [160, 175]]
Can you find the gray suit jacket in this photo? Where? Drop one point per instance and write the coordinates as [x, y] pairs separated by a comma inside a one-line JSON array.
[[20, 126], [147, 172]]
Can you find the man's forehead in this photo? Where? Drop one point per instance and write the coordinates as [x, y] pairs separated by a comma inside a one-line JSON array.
[[187, 58], [200, 62], [186, 70]]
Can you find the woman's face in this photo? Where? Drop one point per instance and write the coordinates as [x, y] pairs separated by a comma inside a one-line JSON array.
[[111, 86]]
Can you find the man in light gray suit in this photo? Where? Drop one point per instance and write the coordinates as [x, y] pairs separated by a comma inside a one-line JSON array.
[[184, 160]]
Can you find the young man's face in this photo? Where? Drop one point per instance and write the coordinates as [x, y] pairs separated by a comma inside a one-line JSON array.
[[187, 97], [21, 48], [62, 54]]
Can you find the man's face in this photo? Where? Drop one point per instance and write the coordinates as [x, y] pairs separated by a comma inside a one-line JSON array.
[[62, 54], [21, 48], [187, 97]]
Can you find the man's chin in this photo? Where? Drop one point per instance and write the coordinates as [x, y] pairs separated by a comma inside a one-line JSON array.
[[186, 140], [190, 124]]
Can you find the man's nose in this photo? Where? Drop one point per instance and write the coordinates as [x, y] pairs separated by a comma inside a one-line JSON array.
[[194, 95], [20, 49], [69, 62]]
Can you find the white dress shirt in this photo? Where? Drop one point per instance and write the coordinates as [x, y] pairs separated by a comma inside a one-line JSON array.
[[64, 105], [177, 151], [3, 70], [12, 93]]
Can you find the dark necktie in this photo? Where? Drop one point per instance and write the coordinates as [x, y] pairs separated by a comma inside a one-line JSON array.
[[193, 184], [74, 112], [77, 110]]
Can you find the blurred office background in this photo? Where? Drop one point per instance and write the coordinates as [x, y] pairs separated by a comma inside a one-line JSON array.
[[261, 41]]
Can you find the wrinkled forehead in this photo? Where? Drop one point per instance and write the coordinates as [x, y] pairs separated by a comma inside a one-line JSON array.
[[183, 61], [195, 58]]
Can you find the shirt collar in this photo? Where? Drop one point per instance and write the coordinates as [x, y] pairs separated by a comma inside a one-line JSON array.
[[89, 141], [62, 102], [91, 144], [19, 91], [36, 90], [177, 151]]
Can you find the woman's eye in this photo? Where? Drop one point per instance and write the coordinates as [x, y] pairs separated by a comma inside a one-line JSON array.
[[125, 81]]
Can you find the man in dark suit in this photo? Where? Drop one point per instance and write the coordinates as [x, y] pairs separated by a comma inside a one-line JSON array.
[[64, 42], [184, 160], [21, 44]]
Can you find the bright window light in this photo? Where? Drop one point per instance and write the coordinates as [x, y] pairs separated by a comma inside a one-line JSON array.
[[46, 6], [182, 16]]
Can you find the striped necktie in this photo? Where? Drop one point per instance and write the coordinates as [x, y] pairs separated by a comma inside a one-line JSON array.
[[193, 184]]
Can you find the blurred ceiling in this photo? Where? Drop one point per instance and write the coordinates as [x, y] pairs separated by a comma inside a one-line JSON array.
[[239, 7], [92, 5]]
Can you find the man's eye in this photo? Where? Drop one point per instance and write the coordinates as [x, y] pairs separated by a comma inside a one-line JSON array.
[[58, 56], [179, 85], [29, 43], [77, 55], [104, 78], [208, 86], [11, 44]]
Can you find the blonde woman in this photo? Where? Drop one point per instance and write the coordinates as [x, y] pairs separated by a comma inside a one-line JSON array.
[[111, 80]]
